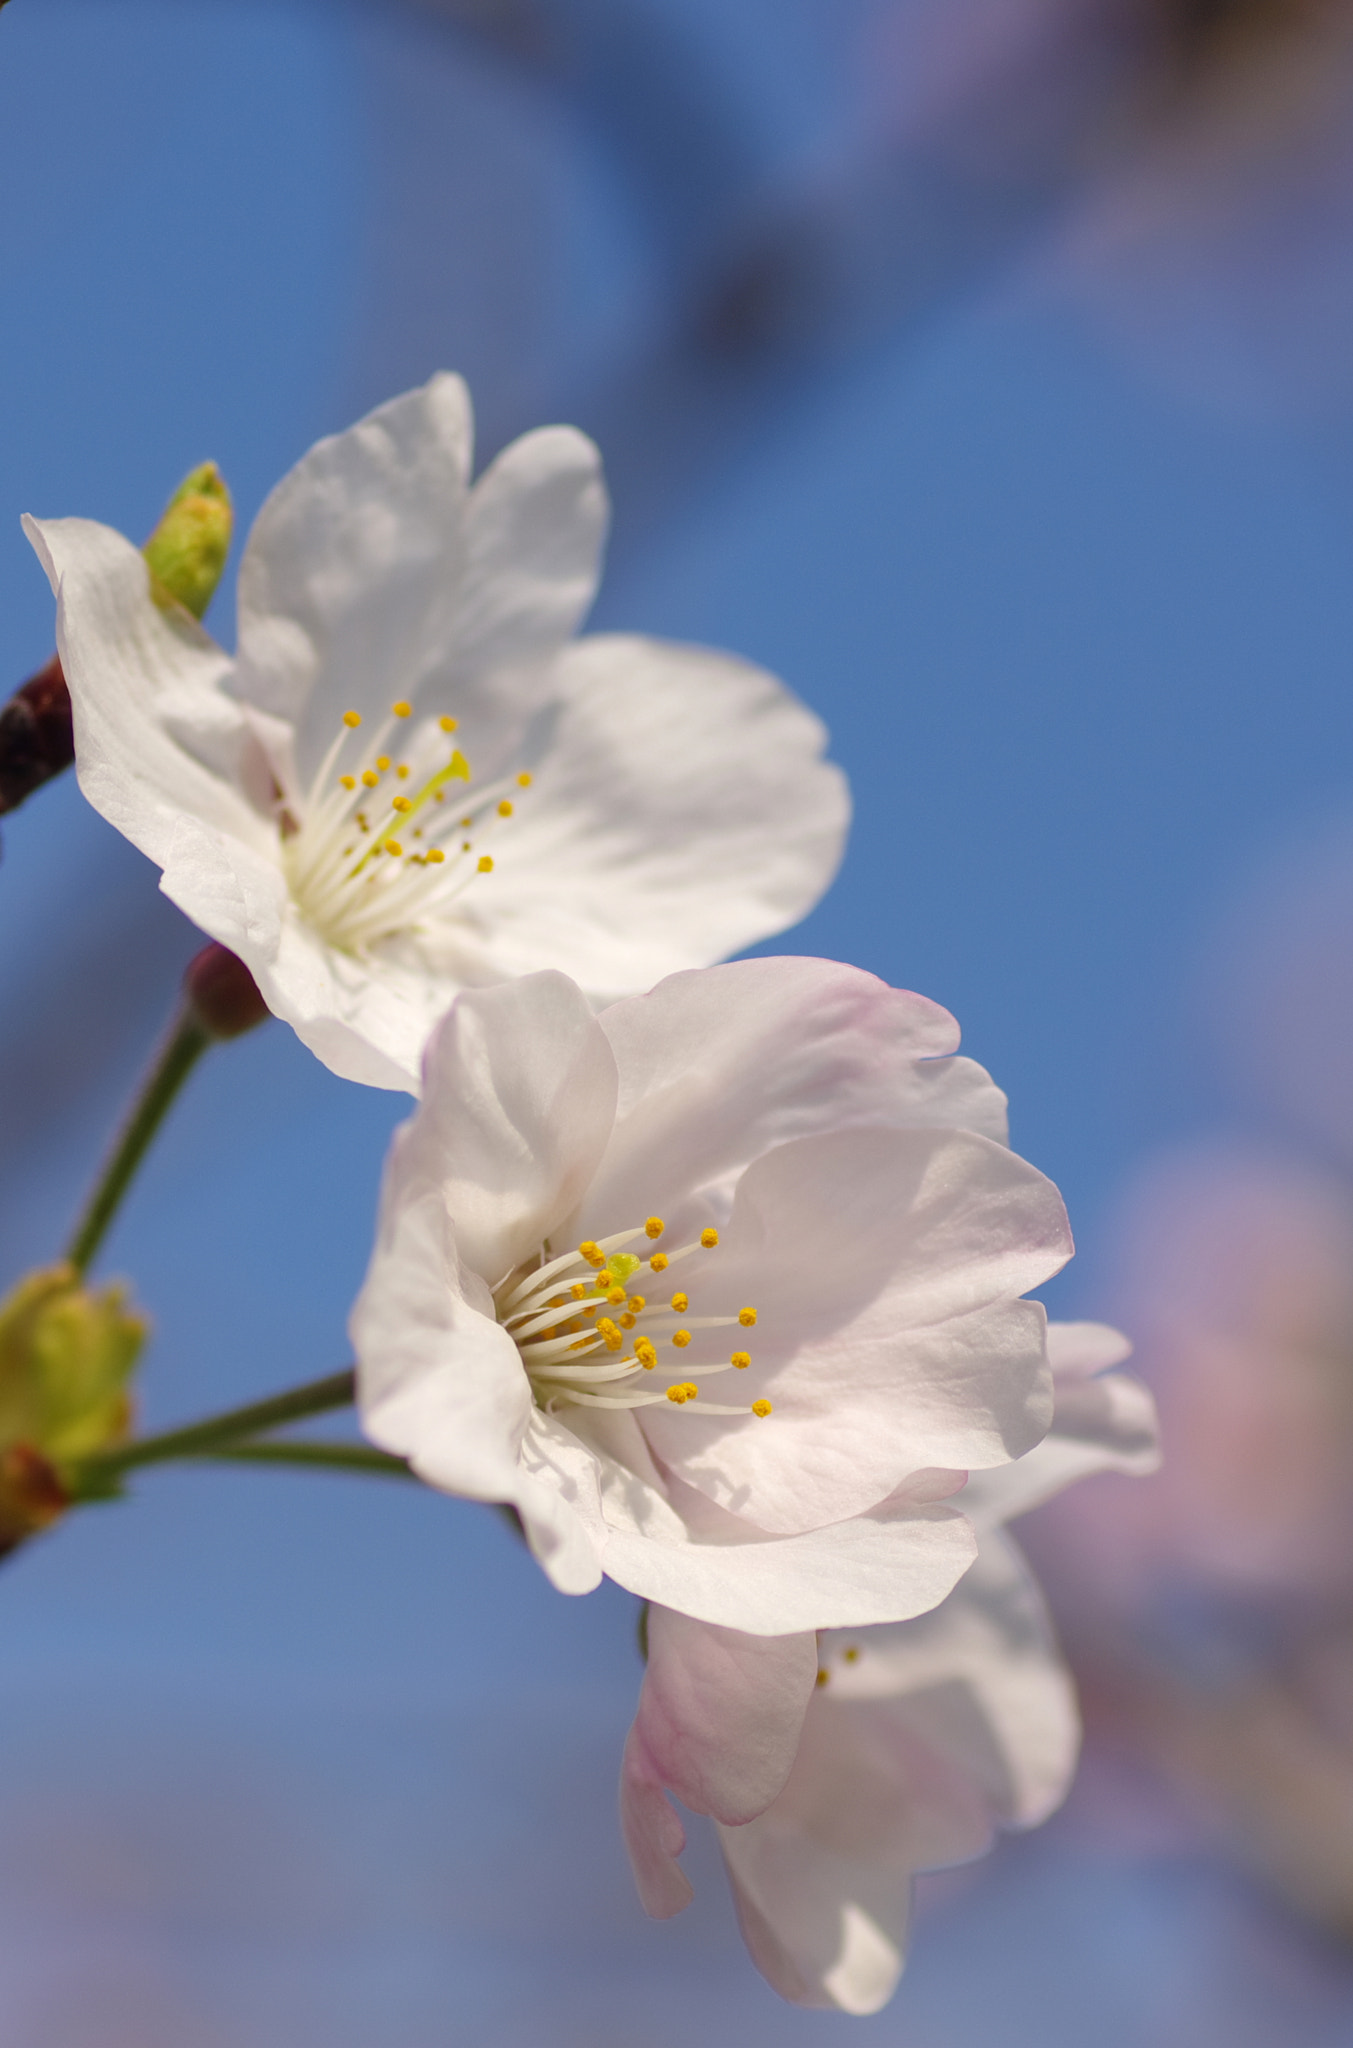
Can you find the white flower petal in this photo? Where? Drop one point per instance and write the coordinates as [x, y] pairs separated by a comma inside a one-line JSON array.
[[228, 889], [156, 738], [355, 564], [1080, 1350], [440, 1383], [883, 1266], [535, 528], [718, 1066], [980, 1678], [518, 1101], [1104, 1424], [683, 810], [925, 1738], [374, 573], [897, 1561], [718, 1725]]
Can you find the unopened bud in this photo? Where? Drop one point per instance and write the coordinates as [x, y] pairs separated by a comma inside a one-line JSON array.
[[222, 993], [187, 551], [67, 1353]]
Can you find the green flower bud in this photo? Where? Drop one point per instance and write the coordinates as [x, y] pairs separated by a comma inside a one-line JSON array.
[[187, 551], [66, 1356]]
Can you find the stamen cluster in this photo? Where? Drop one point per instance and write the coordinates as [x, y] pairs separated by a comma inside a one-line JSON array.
[[587, 1338], [351, 859]]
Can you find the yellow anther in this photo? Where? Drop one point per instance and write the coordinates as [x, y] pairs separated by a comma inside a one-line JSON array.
[[400, 803], [644, 1352], [348, 781], [465, 824], [578, 1291], [523, 780], [627, 1321], [677, 1394], [637, 1304], [681, 1302], [370, 778], [590, 1250], [402, 710], [822, 1677], [448, 724], [709, 1238], [382, 762], [850, 1656], [609, 1334], [486, 863], [504, 809], [434, 854], [654, 1227], [747, 1317], [352, 719], [583, 1344], [761, 1407], [659, 1262], [393, 846], [403, 771], [465, 846], [741, 1359], [681, 1338]]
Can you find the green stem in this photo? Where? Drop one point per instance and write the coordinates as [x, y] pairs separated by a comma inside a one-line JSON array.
[[182, 1049], [319, 1456], [90, 1478]]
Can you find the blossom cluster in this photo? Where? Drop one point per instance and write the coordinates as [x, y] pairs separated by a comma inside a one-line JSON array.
[[716, 1275]]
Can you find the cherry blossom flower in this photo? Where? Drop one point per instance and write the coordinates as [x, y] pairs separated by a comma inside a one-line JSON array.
[[839, 1766], [719, 1290], [412, 778]]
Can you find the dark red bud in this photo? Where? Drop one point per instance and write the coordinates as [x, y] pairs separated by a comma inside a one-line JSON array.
[[222, 993], [36, 737]]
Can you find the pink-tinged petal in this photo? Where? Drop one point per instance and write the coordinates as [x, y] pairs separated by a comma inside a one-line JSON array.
[[980, 1680], [682, 1552], [1077, 1351], [1100, 1424], [884, 1268], [720, 1712], [440, 1383], [157, 739], [354, 567], [822, 1880], [683, 810], [718, 1725], [717, 1067], [518, 1096], [653, 1834], [921, 1742]]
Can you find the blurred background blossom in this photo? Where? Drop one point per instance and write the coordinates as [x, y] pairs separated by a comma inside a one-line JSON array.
[[983, 369]]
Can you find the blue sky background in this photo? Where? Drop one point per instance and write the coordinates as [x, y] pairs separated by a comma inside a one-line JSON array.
[[295, 1761]]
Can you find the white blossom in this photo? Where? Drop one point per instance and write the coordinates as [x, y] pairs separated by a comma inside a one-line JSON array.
[[839, 1766], [719, 1290], [412, 778]]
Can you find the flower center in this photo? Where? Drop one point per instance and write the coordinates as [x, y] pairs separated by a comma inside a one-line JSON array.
[[588, 1336], [381, 849]]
